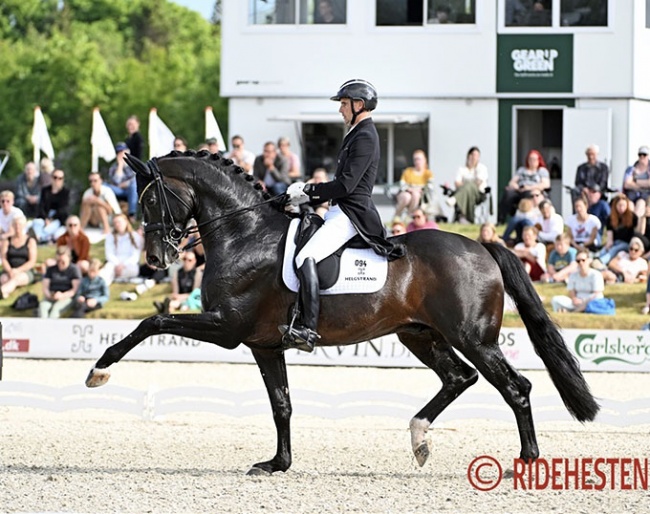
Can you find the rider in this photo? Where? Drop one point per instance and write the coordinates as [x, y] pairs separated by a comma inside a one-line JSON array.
[[352, 211]]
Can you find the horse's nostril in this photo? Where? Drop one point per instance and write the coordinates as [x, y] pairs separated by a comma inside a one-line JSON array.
[[152, 260]]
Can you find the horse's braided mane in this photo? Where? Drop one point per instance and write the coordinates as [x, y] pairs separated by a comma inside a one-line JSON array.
[[221, 164]]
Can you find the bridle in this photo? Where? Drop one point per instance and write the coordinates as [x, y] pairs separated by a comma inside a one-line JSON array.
[[173, 235]]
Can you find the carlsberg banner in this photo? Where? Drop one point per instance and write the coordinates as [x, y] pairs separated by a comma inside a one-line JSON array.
[[535, 63]]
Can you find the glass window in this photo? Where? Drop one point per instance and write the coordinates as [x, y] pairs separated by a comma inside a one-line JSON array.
[[527, 13], [647, 14], [400, 12], [269, 12], [583, 13], [323, 11], [451, 11]]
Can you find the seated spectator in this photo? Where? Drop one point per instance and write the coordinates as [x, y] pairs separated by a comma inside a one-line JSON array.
[[92, 293], [597, 206], [284, 145], [212, 146], [272, 170], [45, 167], [551, 225], [412, 184], [636, 181], [186, 280], [180, 144], [532, 253], [28, 190], [629, 267], [584, 227], [60, 285], [53, 209], [488, 234], [18, 258], [240, 156], [7, 214], [561, 261], [123, 250], [421, 222], [591, 175], [76, 240], [398, 228], [98, 204], [584, 285], [622, 224], [471, 181], [533, 175], [318, 177], [527, 215], [121, 179]]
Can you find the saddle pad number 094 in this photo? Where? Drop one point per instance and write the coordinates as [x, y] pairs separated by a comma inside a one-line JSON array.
[[362, 270]]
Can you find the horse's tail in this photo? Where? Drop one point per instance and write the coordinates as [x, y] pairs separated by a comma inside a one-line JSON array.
[[545, 336]]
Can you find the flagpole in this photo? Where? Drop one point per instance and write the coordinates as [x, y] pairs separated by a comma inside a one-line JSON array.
[[37, 150], [94, 162]]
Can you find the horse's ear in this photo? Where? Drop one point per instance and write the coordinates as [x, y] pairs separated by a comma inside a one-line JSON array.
[[137, 165]]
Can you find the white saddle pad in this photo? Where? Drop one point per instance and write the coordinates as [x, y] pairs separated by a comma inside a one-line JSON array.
[[362, 270]]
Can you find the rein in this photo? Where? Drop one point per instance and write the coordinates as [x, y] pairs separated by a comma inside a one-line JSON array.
[[175, 235]]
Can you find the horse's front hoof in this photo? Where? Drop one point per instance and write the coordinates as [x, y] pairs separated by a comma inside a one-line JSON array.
[[422, 453], [97, 377], [258, 472]]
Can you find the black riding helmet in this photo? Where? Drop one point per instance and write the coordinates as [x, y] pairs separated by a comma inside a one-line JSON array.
[[358, 89]]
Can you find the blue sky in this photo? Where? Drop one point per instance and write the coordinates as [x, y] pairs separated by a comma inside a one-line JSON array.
[[202, 6]]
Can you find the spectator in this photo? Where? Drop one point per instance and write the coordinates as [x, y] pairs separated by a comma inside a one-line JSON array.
[[240, 156], [629, 267], [60, 285], [590, 174], [597, 206], [488, 234], [180, 145], [53, 209], [213, 145], [98, 204], [533, 175], [326, 12], [318, 177], [76, 240], [18, 258], [538, 16], [121, 179], [284, 145], [636, 181], [532, 253], [93, 292], [398, 228], [551, 225], [272, 170], [123, 249], [471, 181], [186, 280], [134, 140], [527, 215], [7, 213], [28, 190], [46, 167], [584, 285], [561, 261], [622, 224], [421, 222], [584, 227], [412, 184]]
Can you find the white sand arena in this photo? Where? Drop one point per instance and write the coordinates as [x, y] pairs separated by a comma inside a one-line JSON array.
[[96, 460]]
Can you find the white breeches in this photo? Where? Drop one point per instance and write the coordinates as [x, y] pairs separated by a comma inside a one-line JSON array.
[[335, 232]]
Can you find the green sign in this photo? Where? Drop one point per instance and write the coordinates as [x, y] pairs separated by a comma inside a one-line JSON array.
[[535, 63]]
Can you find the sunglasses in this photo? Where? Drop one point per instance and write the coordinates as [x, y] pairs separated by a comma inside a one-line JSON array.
[[57, 177], [643, 155], [581, 260]]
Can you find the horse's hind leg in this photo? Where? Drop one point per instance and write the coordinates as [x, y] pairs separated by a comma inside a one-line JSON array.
[[455, 374], [514, 387]]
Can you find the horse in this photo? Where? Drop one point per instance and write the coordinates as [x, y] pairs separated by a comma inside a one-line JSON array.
[[444, 297]]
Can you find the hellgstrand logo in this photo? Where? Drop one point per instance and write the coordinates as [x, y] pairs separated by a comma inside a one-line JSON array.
[[582, 473]]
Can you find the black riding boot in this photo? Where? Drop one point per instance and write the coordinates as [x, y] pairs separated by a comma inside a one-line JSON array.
[[304, 336]]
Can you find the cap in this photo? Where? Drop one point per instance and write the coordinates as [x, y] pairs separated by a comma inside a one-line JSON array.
[[211, 141], [644, 150], [121, 146]]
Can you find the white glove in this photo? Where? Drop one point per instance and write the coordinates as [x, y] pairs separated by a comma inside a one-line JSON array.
[[296, 193]]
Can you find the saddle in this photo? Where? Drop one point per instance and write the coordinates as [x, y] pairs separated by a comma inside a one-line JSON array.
[[329, 268]]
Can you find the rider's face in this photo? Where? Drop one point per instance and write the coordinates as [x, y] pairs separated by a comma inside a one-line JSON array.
[[346, 110]]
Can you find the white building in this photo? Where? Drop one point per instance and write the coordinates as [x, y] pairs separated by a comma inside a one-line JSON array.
[[504, 75]]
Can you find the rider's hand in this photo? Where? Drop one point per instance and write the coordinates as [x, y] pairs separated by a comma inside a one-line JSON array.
[[296, 193]]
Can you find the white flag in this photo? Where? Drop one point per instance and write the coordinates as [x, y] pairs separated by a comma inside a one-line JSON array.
[[101, 142], [161, 139], [40, 137], [212, 129]]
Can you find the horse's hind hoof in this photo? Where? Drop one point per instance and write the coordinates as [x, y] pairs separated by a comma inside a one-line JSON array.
[[422, 453], [97, 377], [258, 472]]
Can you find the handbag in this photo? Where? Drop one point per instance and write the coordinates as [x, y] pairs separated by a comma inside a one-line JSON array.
[[605, 306], [25, 302]]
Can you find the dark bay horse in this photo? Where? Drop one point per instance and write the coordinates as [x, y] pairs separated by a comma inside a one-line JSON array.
[[445, 296]]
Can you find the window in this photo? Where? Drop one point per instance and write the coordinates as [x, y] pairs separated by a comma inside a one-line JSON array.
[[279, 12], [540, 13], [412, 12], [647, 14]]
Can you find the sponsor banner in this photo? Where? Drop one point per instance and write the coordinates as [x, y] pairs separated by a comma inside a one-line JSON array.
[[604, 350]]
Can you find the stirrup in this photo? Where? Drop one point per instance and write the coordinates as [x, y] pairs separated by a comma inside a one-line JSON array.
[[297, 337]]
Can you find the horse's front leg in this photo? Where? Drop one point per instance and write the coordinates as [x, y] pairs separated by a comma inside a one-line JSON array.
[[206, 326], [274, 373]]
